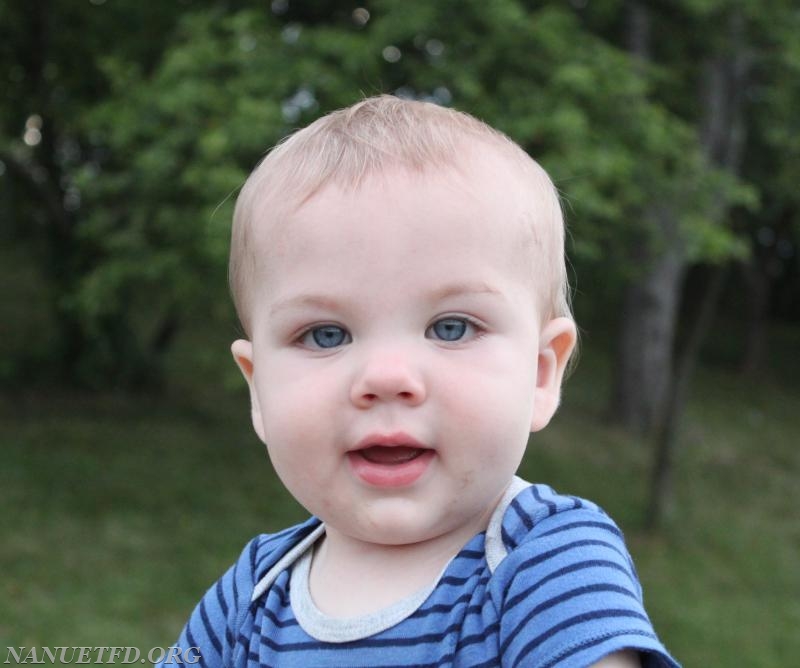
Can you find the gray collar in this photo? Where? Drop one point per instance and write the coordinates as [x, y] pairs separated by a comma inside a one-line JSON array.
[[336, 630]]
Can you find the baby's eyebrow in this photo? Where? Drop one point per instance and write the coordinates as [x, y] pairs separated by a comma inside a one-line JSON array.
[[305, 301], [462, 289]]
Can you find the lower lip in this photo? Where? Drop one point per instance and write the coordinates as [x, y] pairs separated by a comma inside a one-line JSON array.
[[390, 475]]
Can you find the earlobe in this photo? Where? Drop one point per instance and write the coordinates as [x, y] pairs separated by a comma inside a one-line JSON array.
[[556, 342], [242, 352]]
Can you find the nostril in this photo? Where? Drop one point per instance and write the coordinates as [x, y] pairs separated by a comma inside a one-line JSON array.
[[386, 383]]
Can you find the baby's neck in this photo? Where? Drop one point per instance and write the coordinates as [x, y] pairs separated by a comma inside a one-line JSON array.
[[352, 578]]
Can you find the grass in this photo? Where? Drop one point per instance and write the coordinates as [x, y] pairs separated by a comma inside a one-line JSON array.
[[122, 514], [117, 514], [721, 580]]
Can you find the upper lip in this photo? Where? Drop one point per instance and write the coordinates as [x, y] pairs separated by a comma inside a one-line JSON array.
[[389, 440]]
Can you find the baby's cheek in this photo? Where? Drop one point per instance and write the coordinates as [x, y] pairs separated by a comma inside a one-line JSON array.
[[293, 412], [478, 410], [297, 427], [492, 424]]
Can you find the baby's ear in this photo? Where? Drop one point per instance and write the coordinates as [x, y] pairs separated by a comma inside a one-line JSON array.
[[556, 342], [242, 351]]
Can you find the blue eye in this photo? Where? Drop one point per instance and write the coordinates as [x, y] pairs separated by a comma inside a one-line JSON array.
[[449, 329], [325, 336]]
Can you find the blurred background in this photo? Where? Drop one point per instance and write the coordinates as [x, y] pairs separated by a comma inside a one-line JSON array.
[[130, 476]]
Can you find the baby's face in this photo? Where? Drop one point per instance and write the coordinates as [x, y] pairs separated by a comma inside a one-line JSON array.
[[397, 363]]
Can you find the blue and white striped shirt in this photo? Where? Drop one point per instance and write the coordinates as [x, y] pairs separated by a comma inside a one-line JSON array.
[[550, 583]]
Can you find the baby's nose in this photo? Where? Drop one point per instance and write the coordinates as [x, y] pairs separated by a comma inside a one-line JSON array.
[[388, 377]]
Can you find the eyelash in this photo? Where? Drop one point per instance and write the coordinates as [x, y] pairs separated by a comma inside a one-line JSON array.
[[478, 332]]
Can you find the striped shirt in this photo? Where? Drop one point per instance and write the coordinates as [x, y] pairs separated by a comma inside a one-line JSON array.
[[549, 583]]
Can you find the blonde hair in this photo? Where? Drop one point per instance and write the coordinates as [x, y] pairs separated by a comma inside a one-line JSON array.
[[378, 133]]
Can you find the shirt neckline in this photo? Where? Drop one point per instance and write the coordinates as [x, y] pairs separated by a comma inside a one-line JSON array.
[[325, 628]]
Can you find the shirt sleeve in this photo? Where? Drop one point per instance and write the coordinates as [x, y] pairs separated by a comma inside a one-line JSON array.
[[569, 595], [208, 639]]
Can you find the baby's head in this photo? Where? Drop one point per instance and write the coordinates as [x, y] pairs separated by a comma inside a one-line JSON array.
[[399, 272], [372, 138]]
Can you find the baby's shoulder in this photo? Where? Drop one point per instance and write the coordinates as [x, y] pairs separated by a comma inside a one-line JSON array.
[[549, 537], [538, 512], [567, 586]]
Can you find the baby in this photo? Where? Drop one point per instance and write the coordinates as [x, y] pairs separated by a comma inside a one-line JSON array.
[[398, 269]]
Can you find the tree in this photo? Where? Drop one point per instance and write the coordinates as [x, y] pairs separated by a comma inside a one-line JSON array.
[[176, 127], [725, 41], [151, 138], [54, 53]]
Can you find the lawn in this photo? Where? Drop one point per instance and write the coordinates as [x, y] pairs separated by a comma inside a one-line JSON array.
[[118, 513]]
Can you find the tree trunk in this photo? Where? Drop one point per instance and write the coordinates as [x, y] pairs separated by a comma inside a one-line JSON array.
[[650, 310], [44, 174], [722, 135], [757, 292], [666, 433], [650, 303]]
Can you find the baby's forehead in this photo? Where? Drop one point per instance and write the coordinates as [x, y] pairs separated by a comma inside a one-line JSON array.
[[456, 199], [483, 172], [473, 218]]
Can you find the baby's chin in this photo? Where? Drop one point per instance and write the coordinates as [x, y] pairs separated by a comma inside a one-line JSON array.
[[386, 526], [396, 523]]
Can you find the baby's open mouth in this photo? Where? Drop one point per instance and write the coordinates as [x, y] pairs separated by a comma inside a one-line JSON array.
[[392, 460], [390, 455]]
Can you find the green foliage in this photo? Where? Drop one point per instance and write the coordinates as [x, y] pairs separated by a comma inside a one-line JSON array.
[[231, 87], [146, 141]]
